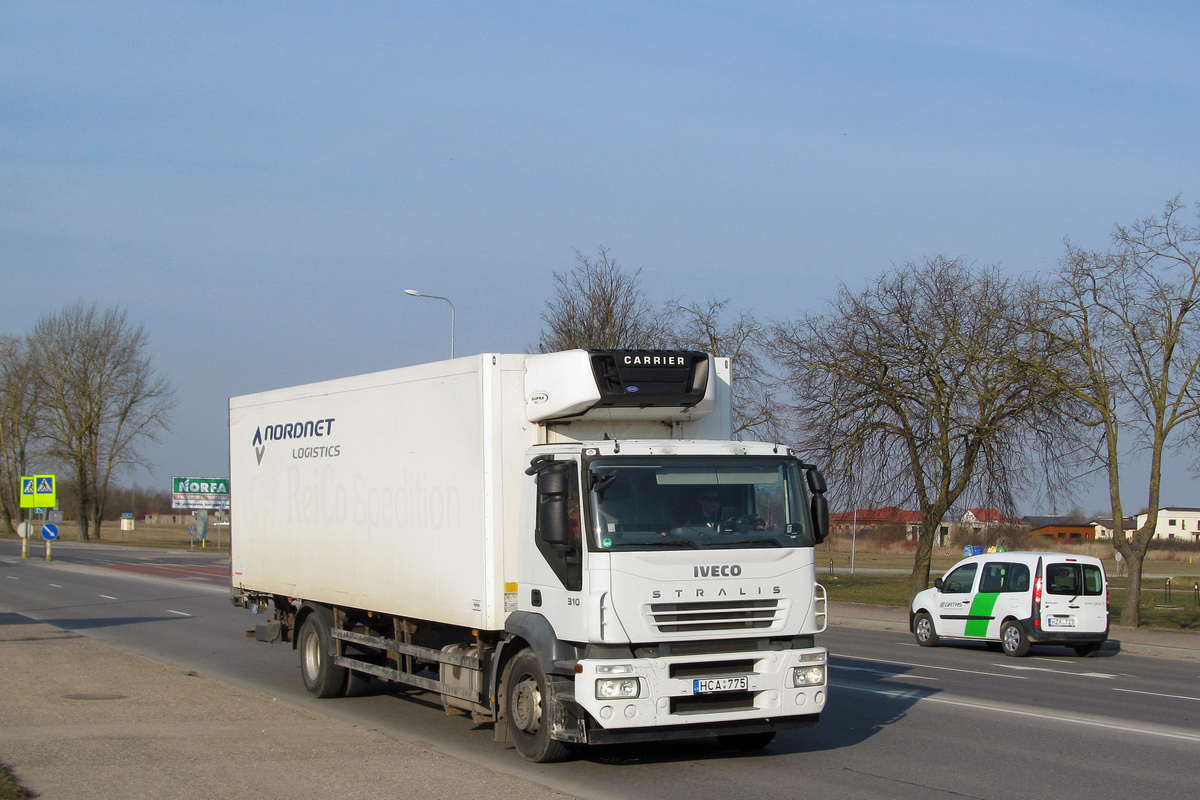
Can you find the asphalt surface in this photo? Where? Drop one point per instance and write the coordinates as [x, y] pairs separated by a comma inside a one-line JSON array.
[[80, 718]]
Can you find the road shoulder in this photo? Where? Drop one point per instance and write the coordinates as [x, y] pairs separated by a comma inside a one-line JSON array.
[[83, 719]]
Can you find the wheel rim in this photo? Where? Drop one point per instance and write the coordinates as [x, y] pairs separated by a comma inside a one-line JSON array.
[[526, 711], [312, 656], [1012, 638], [924, 628]]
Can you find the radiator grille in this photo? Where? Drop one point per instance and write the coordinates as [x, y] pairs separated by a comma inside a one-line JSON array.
[[717, 615]]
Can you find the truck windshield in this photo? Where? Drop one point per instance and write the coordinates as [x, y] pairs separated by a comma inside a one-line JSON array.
[[651, 503]]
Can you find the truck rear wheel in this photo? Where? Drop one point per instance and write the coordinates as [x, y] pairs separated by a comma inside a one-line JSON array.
[[322, 677], [527, 707]]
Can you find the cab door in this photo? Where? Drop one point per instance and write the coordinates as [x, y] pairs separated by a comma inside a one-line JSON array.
[[954, 598]]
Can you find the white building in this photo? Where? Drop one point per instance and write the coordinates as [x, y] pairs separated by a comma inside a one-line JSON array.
[[1182, 524]]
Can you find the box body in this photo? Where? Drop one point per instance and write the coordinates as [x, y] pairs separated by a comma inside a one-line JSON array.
[[391, 491]]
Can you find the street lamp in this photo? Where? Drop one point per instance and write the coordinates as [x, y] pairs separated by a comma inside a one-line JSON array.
[[415, 293]]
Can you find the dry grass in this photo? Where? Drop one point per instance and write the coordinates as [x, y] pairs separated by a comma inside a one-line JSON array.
[[173, 537], [1179, 564], [10, 789]]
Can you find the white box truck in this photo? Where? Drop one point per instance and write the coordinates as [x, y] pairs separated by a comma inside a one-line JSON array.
[[568, 545]]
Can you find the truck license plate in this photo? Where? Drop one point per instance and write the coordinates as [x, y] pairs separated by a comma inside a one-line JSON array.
[[710, 685], [1061, 622]]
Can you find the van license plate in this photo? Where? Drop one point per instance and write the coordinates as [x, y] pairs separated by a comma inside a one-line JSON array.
[[710, 685], [1061, 622]]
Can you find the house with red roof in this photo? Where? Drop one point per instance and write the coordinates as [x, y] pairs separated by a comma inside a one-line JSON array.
[[901, 521]]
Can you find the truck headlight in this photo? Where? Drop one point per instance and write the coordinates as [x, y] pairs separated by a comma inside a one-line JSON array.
[[813, 675], [618, 688]]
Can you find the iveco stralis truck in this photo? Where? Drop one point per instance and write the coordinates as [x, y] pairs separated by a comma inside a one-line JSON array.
[[567, 545]]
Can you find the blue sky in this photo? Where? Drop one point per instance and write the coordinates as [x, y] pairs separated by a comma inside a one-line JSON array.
[[258, 182]]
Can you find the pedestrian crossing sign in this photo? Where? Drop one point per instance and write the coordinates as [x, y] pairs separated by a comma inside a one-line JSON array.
[[39, 491]]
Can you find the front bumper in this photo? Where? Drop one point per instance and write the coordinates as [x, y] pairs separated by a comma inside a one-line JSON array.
[[667, 700]]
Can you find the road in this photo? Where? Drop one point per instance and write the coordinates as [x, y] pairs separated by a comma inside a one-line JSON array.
[[902, 722]]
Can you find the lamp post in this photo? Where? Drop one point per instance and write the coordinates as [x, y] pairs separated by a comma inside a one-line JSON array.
[[854, 524], [415, 293]]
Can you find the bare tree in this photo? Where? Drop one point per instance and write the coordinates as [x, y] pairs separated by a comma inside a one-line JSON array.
[[925, 388], [702, 326], [19, 409], [600, 305], [1127, 317], [102, 397]]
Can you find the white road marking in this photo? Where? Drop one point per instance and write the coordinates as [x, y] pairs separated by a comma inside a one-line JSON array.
[[55, 585], [1159, 694], [1035, 713], [1023, 668], [108, 597], [885, 673], [944, 669], [180, 613]]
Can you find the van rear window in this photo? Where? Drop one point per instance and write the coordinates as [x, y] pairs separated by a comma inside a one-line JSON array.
[[1074, 580]]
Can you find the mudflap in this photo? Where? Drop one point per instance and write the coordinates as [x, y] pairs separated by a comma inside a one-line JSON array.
[[568, 722]]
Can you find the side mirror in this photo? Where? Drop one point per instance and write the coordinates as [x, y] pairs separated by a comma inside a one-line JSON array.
[[937, 584], [552, 486], [816, 481], [819, 511]]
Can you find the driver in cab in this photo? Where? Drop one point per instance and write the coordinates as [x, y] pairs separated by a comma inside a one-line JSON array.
[[709, 516]]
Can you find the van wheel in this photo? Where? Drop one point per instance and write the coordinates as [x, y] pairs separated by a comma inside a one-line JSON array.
[[322, 677], [924, 631], [1013, 639], [1088, 650], [527, 709]]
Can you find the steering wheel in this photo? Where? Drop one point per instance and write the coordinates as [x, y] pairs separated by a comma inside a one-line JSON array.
[[745, 522]]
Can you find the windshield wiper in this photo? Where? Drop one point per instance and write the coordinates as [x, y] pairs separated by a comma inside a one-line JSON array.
[[652, 544]]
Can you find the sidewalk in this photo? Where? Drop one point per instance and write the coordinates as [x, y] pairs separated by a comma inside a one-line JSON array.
[[1137, 641], [79, 718]]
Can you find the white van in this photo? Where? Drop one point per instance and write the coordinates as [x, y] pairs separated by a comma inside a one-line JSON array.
[[1017, 599]]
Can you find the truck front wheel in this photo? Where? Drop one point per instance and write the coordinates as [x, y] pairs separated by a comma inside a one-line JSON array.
[[322, 677], [527, 707]]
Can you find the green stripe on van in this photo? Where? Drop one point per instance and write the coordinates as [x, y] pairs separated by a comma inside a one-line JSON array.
[[981, 613]]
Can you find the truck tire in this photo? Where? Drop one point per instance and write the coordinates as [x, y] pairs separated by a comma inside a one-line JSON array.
[[924, 631], [322, 677], [357, 684], [1013, 639], [526, 705]]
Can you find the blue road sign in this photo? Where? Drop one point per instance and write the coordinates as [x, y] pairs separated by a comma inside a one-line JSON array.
[[49, 531]]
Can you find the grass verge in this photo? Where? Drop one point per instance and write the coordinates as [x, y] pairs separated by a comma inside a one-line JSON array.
[[10, 789]]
